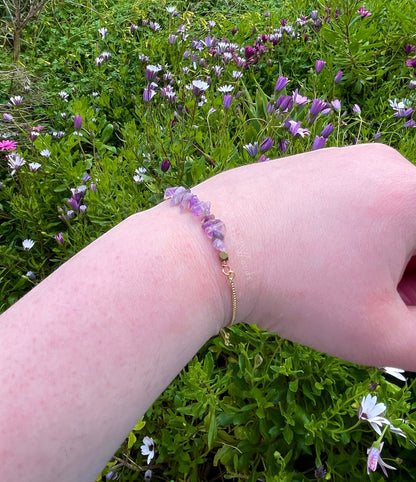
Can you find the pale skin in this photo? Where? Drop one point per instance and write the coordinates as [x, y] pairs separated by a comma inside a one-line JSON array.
[[319, 243]]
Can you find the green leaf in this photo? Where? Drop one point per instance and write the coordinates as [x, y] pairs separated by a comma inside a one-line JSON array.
[[287, 434], [212, 427], [131, 440], [293, 385]]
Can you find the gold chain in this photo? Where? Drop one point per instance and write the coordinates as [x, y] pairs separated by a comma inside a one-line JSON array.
[[229, 274]]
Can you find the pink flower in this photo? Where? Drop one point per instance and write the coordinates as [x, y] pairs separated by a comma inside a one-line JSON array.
[[59, 239], [375, 459], [8, 145], [363, 12]]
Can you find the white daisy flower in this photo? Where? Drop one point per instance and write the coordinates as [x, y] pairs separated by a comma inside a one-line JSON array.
[[28, 244], [148, 448]]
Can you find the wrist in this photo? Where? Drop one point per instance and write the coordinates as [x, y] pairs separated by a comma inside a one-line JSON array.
[[197, 291]]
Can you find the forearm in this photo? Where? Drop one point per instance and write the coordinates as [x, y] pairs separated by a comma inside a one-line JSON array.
[[87, 351]]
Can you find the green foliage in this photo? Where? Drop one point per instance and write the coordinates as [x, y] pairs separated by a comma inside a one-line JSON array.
[[260, 408], [266, 409]]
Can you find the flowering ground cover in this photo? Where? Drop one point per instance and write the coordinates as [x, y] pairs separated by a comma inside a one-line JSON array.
[[112, 102]]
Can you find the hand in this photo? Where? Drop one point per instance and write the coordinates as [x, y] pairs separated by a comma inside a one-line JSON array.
[[320, 243]]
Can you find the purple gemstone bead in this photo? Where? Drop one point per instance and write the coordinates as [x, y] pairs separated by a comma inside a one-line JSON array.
[[177, 197], [214, 226], [219, 244], [207, 220], [217, 235], [186, 200], [200, 208], [170, 191]]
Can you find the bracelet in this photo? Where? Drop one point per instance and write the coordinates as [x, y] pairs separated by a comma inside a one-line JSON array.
[[212, 227]]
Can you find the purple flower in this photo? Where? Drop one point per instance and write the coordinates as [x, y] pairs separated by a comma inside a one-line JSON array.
[[152, 71], [363, 12], [318, 143], [374, 459], [227, 101], [7, 117], [411, 63], [169, 94], [59, 239], [404, 112], [336, 104], [317, 106], [296, 129], [165, 165], [249, 52], [281, 83], [327, 130], [15, 162], [283, 145], [267, 144], [93, 187], [299, 99], [16, 100], [412, 85], [217, 70], [172, 38], [338, 76], [155, 26], [319, 65], [73, 203], [410, 123], [77, 196], [408, 48], [102, 58], [148, 93], [77, 122], [263, 158], [86, 177], [252, 149], [284, 102], [356, 109]]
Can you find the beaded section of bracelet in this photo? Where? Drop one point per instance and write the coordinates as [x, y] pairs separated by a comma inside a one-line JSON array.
[[214, 228]]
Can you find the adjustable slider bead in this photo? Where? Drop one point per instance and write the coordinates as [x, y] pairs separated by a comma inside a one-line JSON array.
[[223, 255]]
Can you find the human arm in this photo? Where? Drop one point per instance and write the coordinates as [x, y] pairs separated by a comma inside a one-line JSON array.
[[319, 243]]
